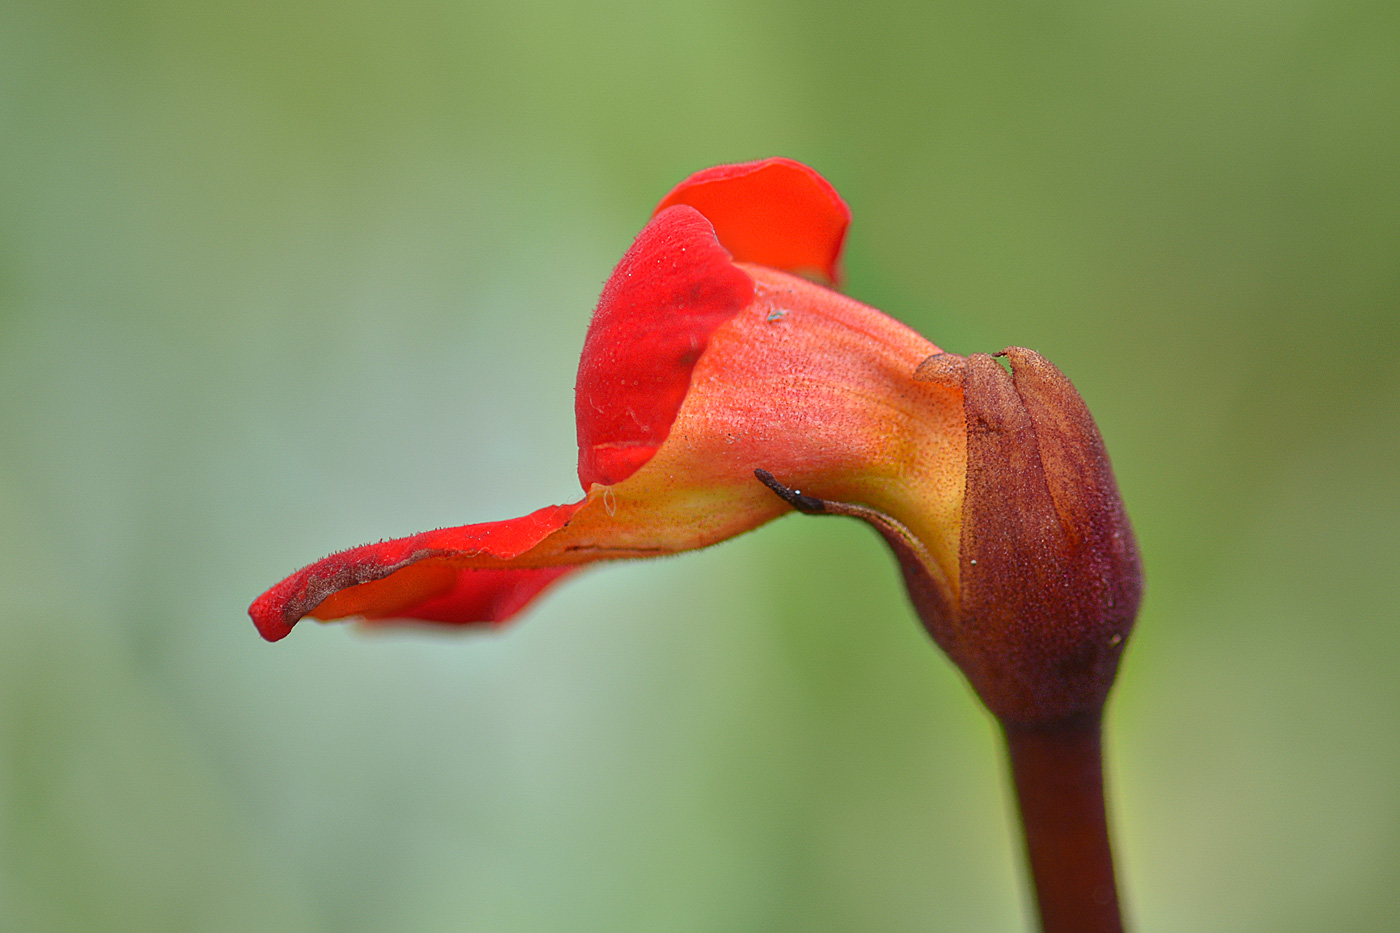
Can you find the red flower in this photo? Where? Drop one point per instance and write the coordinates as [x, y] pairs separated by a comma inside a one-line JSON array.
[[709, 359], [706, 359]]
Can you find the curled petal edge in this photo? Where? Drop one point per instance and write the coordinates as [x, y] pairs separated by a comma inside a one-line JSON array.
[[674, 287], [774, 212]]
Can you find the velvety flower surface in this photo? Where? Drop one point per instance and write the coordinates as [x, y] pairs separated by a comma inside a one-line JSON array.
[[707, 358]]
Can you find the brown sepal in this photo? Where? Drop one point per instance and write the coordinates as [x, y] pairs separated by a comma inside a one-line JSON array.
[[1051, 578]]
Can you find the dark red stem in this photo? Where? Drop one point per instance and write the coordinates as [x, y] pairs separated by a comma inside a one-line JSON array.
[[1058, 770]]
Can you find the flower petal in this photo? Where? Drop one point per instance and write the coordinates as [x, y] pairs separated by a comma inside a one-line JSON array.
[[666, 297], [818, 389], [775, 212], [448, 575], [814, 387], [476, 596]]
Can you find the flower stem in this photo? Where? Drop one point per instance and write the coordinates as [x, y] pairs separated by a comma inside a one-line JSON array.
[[1058, 771]]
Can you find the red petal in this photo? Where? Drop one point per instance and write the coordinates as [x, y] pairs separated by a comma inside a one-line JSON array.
[[672, 289], [481, 596], [449, 575], [776, 212]]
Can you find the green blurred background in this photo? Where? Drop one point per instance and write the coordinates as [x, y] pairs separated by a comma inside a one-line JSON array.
[[276, 279]]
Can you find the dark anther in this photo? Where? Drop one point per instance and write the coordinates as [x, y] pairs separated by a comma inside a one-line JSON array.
[[809, 505]]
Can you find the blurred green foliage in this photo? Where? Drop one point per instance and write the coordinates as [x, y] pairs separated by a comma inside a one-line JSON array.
[[276, 279]]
